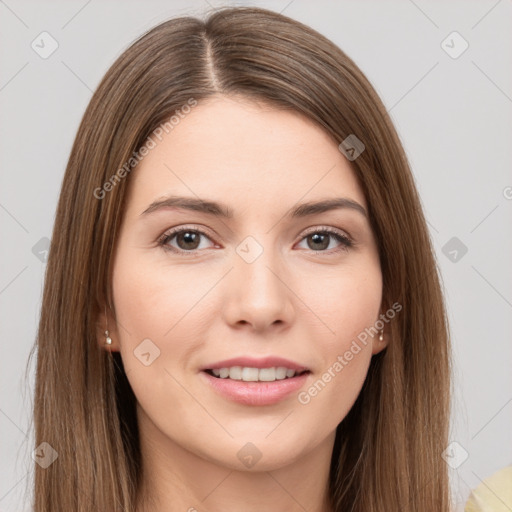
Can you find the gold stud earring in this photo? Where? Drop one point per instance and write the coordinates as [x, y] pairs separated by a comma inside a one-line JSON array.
[[381, 335]]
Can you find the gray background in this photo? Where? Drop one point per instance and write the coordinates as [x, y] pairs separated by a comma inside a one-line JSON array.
[[454, 118]]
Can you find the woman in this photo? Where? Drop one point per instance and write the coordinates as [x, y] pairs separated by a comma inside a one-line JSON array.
[[242, 309]]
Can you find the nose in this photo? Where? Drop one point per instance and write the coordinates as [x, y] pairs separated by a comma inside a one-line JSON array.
[[257, 295]]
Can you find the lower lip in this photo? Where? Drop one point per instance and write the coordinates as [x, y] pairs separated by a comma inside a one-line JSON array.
[[255, 393]]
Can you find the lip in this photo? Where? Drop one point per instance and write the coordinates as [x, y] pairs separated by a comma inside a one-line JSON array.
[[255, 393], [251, 362]]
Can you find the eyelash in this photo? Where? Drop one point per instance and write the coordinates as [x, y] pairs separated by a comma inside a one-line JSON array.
[[345, 241]]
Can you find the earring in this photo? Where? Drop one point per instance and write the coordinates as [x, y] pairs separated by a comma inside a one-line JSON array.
[[381, 335], [108, 339]]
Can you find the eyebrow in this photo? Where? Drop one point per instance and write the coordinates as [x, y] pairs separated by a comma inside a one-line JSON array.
[[221, 210]]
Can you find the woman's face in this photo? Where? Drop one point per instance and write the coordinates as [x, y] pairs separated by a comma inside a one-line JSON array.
[[256, 276]]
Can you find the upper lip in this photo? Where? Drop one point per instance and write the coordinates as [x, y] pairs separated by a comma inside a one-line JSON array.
[[251, 362]]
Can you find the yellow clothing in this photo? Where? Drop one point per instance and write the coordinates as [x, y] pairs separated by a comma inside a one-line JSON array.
[[494, 494]]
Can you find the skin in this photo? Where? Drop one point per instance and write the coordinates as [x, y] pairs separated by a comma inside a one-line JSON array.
[[293, 301]]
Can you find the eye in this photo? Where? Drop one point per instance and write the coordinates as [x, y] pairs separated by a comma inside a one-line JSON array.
[[184, 240], [325, 239]]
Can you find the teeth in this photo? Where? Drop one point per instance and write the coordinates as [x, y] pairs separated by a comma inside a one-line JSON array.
[[248, 374]]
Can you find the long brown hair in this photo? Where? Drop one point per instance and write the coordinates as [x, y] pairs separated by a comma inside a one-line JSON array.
[[387, 452]]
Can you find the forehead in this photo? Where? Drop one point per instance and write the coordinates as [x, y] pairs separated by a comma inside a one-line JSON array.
[[244, 153]]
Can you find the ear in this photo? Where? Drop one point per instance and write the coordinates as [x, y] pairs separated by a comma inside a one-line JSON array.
[[106, 321]]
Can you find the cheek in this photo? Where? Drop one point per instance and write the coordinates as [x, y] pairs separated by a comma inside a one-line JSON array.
[[161, 322], [153, 300], [348, 304], [347, 299], [332, 393]]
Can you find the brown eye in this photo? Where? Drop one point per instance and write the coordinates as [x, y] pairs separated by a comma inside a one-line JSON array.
[[325, 240], [185, 240]]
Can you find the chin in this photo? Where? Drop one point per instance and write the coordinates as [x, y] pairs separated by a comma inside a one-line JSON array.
[[256, 454]]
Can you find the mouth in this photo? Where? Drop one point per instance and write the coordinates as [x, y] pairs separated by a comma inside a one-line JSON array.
[[255, 386], [251, 374]]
